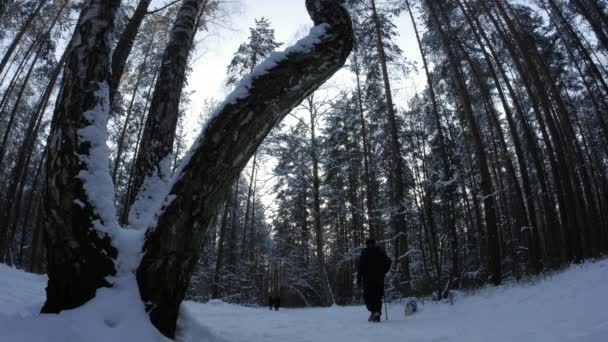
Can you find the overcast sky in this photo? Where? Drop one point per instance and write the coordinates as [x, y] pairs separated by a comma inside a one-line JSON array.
[[216, 50], [290, 19]]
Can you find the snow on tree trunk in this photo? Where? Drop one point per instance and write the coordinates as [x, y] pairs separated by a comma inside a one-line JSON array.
[[79, 212], [153, 159], [222, 151]]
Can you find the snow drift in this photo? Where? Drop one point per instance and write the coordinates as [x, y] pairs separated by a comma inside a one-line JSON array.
[[567, 306]]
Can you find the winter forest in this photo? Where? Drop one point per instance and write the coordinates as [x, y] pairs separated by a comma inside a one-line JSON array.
[[494, 170]]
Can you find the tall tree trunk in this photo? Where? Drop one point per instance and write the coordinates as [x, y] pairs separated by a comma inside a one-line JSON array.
[[123, 133], [533, 86], [16, 104], [18, 174], [397, 192], [215, 288], [124, 215], [370, 189], [443, 154], [125, 45], [6, 216], [228, 141], [593, 14], [560, 126], [248, 204], [36, 257], [493, 246], [153, 158], [79, 252], [17, 39], [15, 79], [30, 203], [524, 220], [327, 298], [528, 138]]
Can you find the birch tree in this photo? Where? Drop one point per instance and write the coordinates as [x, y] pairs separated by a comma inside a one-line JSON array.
[[81, 219]]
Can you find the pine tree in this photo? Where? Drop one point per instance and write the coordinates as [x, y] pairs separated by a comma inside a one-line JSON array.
[[261, 43]]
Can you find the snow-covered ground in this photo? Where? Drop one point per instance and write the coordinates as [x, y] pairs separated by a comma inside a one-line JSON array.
[[569, 306]]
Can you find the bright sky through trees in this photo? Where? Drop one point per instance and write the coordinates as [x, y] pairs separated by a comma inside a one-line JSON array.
[[290, 21]]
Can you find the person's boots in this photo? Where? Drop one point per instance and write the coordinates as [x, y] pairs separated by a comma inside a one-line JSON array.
[[371, 315], [375, 317]]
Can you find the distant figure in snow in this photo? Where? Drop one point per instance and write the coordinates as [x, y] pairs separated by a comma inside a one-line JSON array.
[[277, 303], [373, 266], [411, 307], [270, 302]]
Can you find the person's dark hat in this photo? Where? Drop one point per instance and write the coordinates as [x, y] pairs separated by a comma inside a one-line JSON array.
[[370, 242]]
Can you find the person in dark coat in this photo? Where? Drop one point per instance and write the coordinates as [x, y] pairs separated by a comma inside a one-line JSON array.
[[277, 303], [270, 301], [373, 266]]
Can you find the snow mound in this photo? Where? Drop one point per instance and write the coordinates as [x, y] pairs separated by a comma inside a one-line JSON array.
[[565, 307], [115, 314]]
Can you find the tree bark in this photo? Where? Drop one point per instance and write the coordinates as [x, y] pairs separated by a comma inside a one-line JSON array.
[[229, 140], [159, 132], [80, 256]]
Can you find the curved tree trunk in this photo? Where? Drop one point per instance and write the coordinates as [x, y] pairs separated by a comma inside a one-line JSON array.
[[221, 152]]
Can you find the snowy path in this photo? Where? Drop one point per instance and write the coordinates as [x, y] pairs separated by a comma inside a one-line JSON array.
[[570, 306]]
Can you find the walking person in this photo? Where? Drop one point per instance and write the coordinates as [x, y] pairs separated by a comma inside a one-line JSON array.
[[373, 266]]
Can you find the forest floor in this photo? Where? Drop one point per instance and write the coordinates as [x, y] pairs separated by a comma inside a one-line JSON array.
[[567, 306]]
